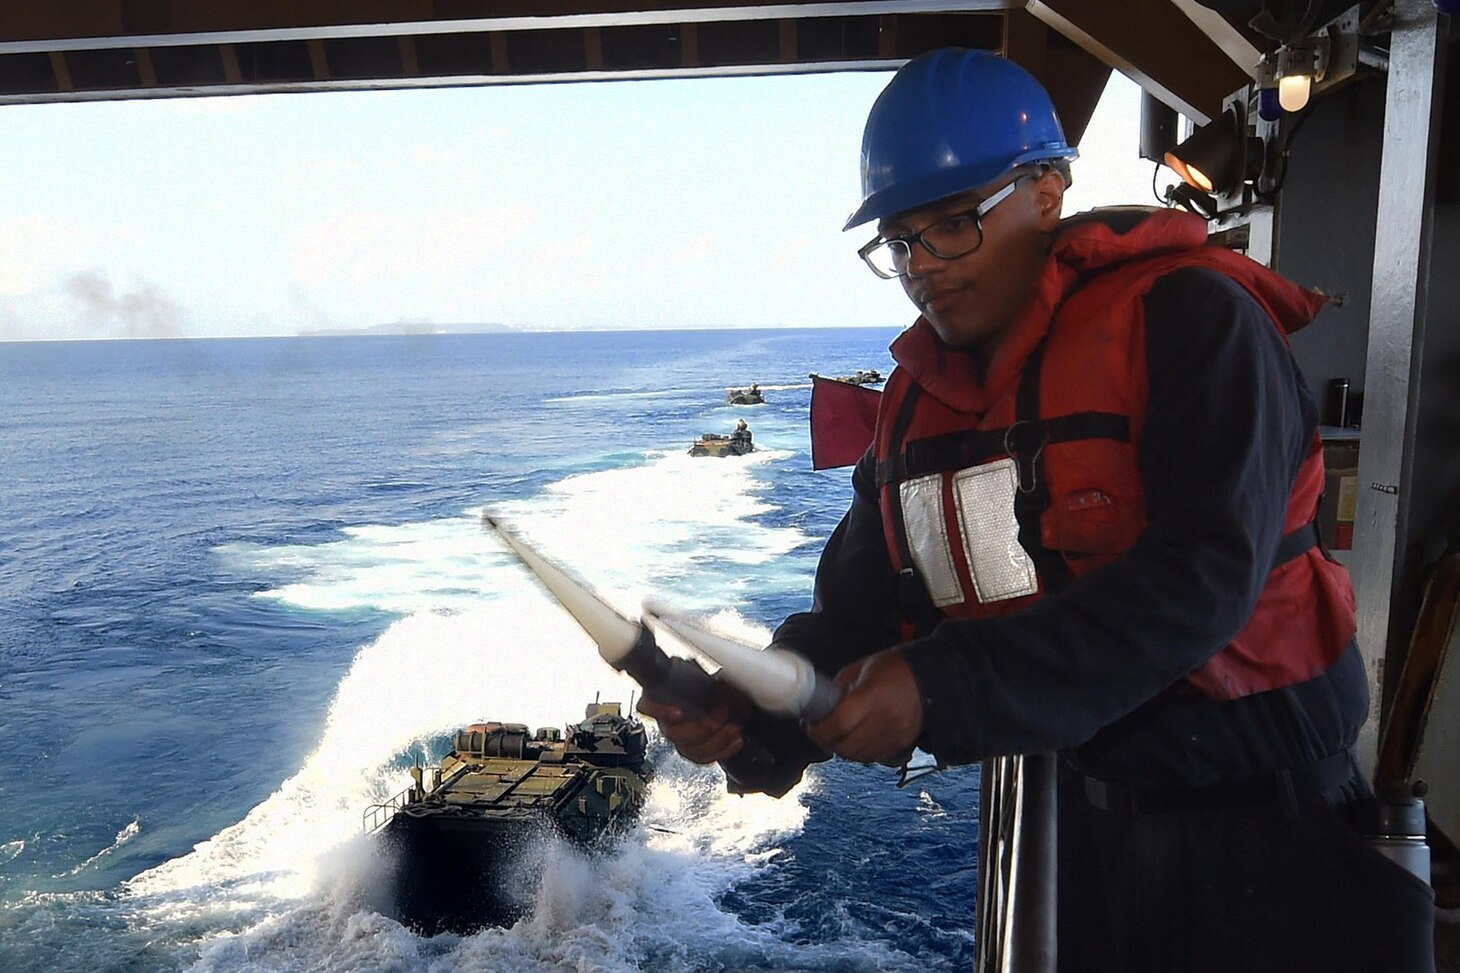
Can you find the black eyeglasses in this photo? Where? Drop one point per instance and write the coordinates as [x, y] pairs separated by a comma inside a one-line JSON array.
[[948, 239]]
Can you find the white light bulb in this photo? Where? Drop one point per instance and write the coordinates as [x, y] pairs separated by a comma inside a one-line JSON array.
[[1293, 90]]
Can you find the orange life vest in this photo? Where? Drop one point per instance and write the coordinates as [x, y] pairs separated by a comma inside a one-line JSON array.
[[1065, 398]]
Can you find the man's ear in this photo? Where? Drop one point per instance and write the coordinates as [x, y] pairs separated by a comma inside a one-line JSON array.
[[1049, 198]]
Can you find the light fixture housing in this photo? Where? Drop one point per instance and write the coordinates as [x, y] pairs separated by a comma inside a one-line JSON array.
[[1193, 200], [1293, 91], [1269, 108], [1295, 68], [1218, 157]]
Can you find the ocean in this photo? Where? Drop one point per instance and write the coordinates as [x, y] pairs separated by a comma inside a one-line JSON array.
[[244, 585]]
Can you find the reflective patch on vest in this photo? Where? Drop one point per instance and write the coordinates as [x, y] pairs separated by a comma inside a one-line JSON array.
[[1000, 567], [927, 537]]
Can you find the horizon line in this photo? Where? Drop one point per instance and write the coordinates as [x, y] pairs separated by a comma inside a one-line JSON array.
[[496, 332]]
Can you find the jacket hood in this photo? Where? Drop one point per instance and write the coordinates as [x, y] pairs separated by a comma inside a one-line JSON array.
[[1089, 243]]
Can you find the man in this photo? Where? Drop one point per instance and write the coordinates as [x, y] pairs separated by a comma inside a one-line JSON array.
[[1085, 525]]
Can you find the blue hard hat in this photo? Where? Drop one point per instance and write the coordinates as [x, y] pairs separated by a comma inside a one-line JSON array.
[[948, 121]]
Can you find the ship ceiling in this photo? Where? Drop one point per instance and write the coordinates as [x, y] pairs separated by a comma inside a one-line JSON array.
[[85, 50]]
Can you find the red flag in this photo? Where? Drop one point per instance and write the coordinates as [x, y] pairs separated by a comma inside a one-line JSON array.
[[843, 417]]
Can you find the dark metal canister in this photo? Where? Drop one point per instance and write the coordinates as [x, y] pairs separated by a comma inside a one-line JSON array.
[[1335, 403]]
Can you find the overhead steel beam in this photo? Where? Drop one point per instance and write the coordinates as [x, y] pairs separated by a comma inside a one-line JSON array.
[[1398, 308], [743, 46], [96, 50], [243, 23], [453, 81], [1232, 41], [1154, 44], [1074, 78]]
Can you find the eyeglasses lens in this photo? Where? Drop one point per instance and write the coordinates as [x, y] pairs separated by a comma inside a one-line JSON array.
[[947, 239], [889, 258], [953, 237]]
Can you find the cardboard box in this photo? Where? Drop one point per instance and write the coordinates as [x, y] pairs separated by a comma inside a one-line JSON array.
[[1340, 495]]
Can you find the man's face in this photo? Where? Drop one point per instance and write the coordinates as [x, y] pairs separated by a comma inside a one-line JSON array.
[[971, 301]]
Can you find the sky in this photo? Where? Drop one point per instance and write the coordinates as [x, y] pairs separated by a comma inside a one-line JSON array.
[[690, 203]]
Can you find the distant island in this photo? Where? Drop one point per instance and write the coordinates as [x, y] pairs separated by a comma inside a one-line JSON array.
[[414, 327]]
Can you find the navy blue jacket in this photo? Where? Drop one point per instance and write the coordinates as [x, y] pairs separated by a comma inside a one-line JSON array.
[[1229, 421]]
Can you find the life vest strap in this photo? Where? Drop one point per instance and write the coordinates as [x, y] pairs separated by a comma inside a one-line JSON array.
[[914, 604], [899, 433], [1297, 543], [961, 449], [1033, 497]]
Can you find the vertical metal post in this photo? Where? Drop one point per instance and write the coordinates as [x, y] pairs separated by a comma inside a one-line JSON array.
[[1396, 336], [1017, 865]]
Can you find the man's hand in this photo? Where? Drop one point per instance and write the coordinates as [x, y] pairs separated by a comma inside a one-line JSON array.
[[715, 736], [880, 717]]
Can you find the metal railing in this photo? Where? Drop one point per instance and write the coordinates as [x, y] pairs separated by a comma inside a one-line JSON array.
[[377, 816]]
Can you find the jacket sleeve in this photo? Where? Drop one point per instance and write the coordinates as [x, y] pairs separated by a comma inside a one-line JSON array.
[[852, 615], [1228, 424], [854, 608]]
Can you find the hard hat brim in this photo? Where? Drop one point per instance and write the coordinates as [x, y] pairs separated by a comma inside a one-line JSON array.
[[908, 196]]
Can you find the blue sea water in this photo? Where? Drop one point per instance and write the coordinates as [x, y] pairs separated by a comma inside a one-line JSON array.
[[244, 584]]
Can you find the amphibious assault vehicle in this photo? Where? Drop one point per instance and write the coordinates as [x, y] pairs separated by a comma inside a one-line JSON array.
[[738, 443], [465, 845], [863, 376]]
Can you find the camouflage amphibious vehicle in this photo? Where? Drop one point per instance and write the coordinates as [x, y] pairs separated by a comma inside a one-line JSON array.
[[745, 396], [463, 844], [863, 376], [738, 443]]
